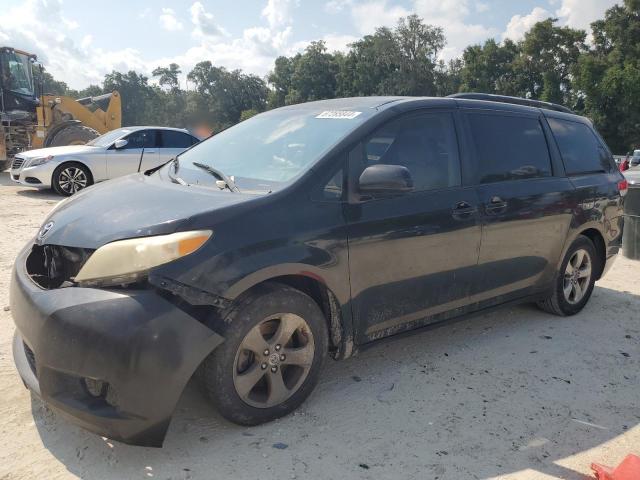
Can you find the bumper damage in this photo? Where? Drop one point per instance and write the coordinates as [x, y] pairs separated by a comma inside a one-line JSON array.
[[137, 347]]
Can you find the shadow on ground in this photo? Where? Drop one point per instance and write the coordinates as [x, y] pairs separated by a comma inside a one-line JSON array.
[[44, 194], [508, 392]]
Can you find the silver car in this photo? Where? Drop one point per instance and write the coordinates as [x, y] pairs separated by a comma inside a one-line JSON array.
[[116, 153]]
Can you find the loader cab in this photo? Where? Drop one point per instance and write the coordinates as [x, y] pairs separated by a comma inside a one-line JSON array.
[[17, 86]]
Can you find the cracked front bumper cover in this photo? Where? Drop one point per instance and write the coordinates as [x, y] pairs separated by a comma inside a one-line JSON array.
[[140, 344]]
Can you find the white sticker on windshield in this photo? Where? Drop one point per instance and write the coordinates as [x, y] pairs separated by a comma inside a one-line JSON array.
[[339, 114]]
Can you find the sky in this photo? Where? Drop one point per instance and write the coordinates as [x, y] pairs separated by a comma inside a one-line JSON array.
[[79, 41]]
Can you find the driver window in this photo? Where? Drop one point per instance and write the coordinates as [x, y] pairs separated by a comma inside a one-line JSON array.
[[425, 144], [139, 139]]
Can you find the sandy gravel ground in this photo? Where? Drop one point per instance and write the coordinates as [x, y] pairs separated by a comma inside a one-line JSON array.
[[517, 394]]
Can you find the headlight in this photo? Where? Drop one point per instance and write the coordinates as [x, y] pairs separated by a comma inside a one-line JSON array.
[[126, 261], [39, 161]]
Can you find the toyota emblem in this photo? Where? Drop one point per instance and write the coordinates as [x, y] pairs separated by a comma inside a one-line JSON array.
[[44, 230]]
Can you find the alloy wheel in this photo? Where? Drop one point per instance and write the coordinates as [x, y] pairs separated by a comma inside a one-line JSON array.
[[72, 179], [577, 276], [273, 360]]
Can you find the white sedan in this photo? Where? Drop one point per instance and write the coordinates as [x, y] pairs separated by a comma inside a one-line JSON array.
[[116, 153]]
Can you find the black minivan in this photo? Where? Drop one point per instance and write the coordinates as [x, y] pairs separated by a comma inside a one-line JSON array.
[[306, 232]]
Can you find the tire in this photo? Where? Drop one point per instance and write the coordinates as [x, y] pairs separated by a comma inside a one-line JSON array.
[[572, 280], [232, 368], [70, 177], [76, 134]]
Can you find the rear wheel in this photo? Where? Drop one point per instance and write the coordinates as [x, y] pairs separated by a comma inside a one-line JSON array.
[[75, 134], [575, 280], [70, 178], [271, 358]]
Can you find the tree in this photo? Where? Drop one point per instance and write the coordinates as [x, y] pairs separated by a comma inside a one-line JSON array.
[[49, 85], [548, 58], [608, 77], [168, 76], [228, 94], [401, 61], [139, 100], [488, 68]]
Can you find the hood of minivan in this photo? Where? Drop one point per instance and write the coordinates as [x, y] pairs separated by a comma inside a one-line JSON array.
[[131, 206], [66, 150]]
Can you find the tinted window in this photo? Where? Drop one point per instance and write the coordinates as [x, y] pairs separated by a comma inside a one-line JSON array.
[[425, 144], [509, 147], [141, 138], [580, 149], [174, 139]]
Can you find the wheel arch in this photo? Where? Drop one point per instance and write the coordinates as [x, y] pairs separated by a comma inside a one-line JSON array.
[[597, 239], [313, 285], [71, 161], [594, 233]]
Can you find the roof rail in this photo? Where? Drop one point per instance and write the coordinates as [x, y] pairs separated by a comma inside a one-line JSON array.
[[515, 100]]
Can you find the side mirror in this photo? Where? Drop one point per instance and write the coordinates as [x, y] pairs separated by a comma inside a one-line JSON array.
[[385, 179], [120, 143]]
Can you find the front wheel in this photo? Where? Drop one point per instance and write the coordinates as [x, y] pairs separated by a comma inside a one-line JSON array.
[[272, 356], [575, 279], [70, 178]]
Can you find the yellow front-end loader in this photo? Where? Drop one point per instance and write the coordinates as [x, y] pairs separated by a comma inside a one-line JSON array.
[[30, 118]]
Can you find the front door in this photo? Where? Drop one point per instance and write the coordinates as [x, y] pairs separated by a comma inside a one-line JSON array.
[[412, 257], [128, 159]]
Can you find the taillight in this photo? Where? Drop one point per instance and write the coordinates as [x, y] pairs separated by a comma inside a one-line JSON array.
[[623, 186]]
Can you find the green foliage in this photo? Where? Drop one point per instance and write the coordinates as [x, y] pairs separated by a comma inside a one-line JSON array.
[[551, 63]]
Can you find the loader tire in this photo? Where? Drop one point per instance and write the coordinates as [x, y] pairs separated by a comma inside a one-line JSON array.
[[73, 135]]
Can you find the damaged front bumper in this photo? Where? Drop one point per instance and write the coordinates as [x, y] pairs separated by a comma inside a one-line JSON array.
[[113, 361]]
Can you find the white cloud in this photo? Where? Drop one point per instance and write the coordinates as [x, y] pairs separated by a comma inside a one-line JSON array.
[[521, 24], [336, 6], [33, 26], [580, 13], [204, 22], [279, 12], [452, 16], [482, 7], [370, 15], [169, 21], [573, 13]]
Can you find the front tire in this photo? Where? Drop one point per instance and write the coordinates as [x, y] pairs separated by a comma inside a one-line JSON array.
[[272, 356], [70, 178], [575, 279]]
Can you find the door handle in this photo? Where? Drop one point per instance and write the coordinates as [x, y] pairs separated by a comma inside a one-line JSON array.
[[149, 151], [463, 210], [495, 205]]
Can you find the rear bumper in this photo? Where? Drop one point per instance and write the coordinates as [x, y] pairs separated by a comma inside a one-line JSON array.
[[141, 345]]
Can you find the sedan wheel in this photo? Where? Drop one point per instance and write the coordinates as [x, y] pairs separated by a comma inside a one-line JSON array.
[[71, 178]]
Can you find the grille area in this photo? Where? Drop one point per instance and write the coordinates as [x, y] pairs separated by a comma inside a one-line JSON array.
[[55, 266], [31, 358], [17, 163]]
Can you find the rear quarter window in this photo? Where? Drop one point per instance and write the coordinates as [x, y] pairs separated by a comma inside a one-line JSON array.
[[580, 149], [509, 147]]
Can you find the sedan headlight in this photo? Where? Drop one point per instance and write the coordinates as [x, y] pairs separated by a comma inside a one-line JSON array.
[[126, 261], [39, 160]]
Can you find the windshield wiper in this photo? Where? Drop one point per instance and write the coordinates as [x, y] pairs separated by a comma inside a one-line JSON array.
[[175, 164], [223, 181]]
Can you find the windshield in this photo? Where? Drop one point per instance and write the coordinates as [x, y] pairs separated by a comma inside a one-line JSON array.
[[108, 138], [270, 149], [15, 72]]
